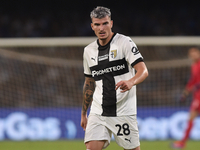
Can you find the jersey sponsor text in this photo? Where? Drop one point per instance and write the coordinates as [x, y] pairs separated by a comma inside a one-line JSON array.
[[107, 70]]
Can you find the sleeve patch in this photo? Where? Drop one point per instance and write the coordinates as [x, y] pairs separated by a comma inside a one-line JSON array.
[[135, 51]]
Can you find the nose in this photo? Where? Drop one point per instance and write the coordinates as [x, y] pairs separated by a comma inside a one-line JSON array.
[[101, 27]]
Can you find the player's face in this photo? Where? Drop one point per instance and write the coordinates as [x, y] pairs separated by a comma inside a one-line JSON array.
[[194, 54], [102, 27]]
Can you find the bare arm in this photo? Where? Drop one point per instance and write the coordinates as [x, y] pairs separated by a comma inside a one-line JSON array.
[[141, 74], [88, 90], [139, 77]]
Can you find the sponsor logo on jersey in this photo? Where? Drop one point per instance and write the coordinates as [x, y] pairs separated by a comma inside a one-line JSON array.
[[103, 57], [113, 53], [107, 70], [135, 51]]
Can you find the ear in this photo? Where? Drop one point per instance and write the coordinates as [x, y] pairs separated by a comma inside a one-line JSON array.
[[111, 22], [92, 26]]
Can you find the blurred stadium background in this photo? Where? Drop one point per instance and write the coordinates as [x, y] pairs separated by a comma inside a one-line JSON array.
[[41, 78]]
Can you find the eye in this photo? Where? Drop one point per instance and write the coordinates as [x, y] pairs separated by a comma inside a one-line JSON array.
[[105, 23], [97, 24]]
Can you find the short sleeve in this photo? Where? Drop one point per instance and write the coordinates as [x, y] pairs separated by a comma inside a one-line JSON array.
[[131, 52], [87, 71]]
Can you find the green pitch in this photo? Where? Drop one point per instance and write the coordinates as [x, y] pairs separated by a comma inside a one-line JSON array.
[[78, 145]]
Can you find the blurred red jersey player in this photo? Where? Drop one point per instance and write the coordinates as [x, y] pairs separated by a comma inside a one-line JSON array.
[[193, 86]]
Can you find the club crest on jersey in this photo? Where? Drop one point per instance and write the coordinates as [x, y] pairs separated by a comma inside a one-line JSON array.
[[135, 51], [113, 53]]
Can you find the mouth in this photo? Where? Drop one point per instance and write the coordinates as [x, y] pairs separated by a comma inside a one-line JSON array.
[[102, 33]]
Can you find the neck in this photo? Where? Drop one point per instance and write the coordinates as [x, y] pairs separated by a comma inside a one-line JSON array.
[[105, 41], [197, 60]]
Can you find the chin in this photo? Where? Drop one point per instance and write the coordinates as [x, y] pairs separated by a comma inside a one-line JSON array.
[[102, 38]]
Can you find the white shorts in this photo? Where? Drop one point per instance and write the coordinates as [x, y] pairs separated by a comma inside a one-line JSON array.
[[124, 129]]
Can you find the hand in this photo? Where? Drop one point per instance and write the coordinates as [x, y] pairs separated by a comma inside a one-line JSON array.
[[196, 87], [124, 85], [182, 99], [83, 121], [184, 96]]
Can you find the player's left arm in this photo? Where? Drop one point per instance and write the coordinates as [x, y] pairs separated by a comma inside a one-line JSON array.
[[140, 76]]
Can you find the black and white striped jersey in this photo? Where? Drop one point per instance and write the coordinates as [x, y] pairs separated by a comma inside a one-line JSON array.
[[108, 65]]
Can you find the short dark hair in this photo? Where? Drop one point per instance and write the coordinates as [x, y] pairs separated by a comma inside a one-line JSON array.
[[100, 12]]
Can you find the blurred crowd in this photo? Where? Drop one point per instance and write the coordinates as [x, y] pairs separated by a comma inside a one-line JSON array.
[[61, 18]]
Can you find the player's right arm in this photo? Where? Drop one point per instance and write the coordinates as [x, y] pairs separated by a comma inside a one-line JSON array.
[[88, 90]]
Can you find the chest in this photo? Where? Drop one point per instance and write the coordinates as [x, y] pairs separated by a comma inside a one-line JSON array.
[[103, 56], [196, 70]]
